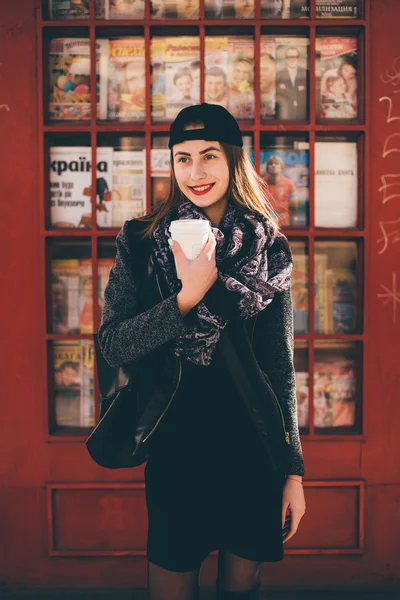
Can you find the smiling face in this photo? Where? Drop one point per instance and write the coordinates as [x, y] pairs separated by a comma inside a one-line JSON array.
[[241, 72], [215, 87], [202, 173], [337, 86], [184, 84]]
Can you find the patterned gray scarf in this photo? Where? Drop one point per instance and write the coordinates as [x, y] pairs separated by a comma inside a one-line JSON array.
[[252, 262]]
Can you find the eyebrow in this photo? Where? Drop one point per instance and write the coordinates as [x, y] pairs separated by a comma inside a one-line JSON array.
[[202, 152]]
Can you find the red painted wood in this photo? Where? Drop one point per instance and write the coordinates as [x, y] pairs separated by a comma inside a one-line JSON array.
[[353, 477]]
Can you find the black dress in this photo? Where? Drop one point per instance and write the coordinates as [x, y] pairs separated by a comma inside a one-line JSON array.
[[208, 484]]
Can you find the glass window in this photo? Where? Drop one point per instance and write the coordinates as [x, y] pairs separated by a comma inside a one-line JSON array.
[[336, 78], [284, 78], [175, 75], [284, 166], [229, 74], [335, 386], [335, 287], [336, 182]]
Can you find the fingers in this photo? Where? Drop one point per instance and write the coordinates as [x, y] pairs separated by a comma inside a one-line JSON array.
[[290, 527], [285, 507], [211, 243]]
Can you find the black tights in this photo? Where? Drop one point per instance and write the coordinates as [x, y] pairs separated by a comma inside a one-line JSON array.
[[238, 579]]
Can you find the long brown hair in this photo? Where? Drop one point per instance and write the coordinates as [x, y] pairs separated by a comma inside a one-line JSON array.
[[246, 190]]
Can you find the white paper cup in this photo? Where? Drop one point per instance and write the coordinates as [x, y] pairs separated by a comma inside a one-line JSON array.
[[192, 235]]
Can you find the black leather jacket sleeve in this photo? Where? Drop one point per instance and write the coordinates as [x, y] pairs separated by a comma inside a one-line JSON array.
[[125, 335], [273, 344]]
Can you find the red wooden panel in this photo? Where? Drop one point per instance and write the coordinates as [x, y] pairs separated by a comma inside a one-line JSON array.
[[331, 521], [97, 520], [381, 455]]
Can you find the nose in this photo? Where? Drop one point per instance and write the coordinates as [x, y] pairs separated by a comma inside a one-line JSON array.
[[197, 171]]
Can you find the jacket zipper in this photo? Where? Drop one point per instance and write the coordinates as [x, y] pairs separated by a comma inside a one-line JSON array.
[[175, 390]]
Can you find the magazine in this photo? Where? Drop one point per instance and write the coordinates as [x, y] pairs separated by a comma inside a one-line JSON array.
[[344, 9], [321, 309], [267, 77], [336, 64], [284, 166], [69, 78], [229, 74], [334, 393], [67, 382], [175, 63], [160, 172], [299, 285], [70, 186], [85, 296], [302, 398], [291, 79], [104, 266], [65, 295], [122, 77], [87, 395], [73, 364], [335, 288], [68, 9], [229, 9], [124, 9], [128, 186], [341, 291], [336, 180], [285, 9], [175, 9]]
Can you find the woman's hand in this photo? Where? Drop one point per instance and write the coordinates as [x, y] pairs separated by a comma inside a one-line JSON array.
[[294, 501], [197, 275]]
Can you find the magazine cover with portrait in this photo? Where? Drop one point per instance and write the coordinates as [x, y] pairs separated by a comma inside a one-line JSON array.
[[229, 74], [285, 9], [122, 77], [337, 64], [182, 73], [284, 166], [291, 80]]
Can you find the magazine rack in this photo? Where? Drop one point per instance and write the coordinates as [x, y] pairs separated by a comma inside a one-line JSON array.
[[310, 149]]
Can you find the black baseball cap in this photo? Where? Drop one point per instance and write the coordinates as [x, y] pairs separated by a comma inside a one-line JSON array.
[[219, 125]]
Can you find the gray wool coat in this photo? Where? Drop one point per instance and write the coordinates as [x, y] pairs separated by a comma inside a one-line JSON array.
[[126, 334]]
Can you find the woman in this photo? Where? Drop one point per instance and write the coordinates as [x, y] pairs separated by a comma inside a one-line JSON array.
[[221, 473]]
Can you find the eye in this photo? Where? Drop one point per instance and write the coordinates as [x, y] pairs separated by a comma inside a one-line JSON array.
[[212, 155], [182, 158]]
